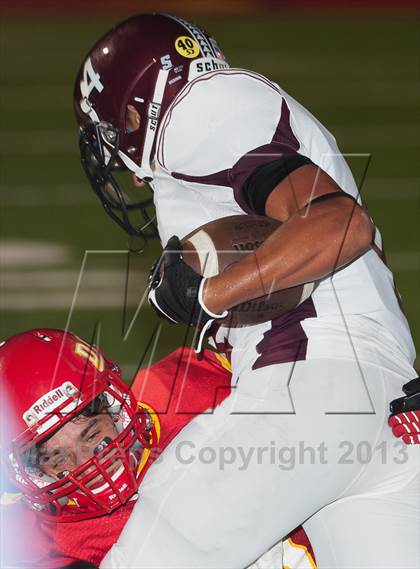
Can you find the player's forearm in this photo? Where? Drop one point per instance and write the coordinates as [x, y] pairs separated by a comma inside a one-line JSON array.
[[304, 249]]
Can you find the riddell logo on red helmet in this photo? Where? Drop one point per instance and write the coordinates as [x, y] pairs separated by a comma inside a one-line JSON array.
[[50, 401]]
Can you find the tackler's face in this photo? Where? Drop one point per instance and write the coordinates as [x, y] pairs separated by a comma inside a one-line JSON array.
[[75, 443]]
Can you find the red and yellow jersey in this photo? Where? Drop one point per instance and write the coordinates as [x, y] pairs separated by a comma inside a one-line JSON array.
[[174, 390], [298, 552]]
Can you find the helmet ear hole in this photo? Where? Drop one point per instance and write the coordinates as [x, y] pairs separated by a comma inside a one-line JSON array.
[[132, 119]]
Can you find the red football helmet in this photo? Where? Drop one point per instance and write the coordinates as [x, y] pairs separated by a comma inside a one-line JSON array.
[[136, 69], [49, 378]]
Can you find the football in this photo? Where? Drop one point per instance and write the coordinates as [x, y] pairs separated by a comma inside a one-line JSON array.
[[216, 246]]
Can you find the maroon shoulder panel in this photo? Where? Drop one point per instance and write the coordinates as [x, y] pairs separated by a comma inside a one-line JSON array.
[[283, 143]]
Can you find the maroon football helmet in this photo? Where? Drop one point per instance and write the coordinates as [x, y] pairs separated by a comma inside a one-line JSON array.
[[47, 379], [135, 70]]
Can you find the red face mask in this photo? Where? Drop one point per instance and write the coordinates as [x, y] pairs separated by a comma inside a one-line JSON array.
[[82, 388]]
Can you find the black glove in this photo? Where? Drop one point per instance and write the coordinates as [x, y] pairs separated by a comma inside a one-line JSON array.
[[405, 413], [176, 292]]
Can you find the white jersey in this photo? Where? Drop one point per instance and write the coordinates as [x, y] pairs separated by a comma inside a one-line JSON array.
[[347, 341], [220, 127]]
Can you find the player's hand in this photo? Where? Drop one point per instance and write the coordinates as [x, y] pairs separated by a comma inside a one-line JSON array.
[[405, 414], [176, 291]]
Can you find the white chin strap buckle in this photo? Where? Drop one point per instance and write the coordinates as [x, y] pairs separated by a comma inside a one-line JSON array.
[[140, 172]]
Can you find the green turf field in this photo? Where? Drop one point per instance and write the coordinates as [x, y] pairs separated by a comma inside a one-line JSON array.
[[359, 77]]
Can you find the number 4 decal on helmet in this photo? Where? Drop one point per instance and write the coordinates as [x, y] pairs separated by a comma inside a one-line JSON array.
[[91, 80]]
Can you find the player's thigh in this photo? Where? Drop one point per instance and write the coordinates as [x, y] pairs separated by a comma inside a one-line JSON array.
[[234, 482], [373, 531]]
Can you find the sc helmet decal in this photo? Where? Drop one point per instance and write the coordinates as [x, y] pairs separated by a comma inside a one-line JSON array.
[[166, 62]]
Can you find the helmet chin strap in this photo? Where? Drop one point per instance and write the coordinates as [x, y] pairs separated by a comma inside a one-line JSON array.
[[144, 171], [134, 167], [152, 124]]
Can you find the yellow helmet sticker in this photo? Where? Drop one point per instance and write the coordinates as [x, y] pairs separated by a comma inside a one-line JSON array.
[[187, 47]]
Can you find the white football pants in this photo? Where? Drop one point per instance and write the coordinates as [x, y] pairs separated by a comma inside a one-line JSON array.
[[304, 443]]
